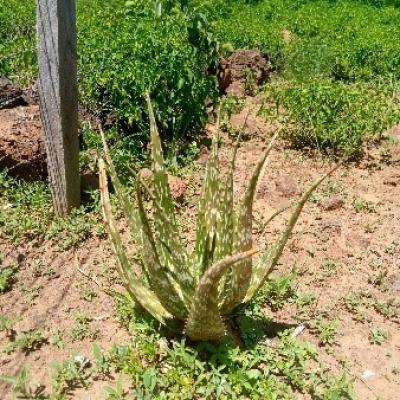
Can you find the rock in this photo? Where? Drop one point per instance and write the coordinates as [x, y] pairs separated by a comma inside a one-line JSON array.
[[286, 186], [146, 175], [22, 148], [333, 203], [232, 70], [178, 187]]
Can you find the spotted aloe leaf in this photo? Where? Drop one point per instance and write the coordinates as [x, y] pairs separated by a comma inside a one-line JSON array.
[[208, 213], [205, 321], [243, 239], [171, 252], [159, 279], [270, 258], [130, 212], [136, 289]]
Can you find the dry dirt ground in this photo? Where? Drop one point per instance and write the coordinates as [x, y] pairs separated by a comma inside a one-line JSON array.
[[346, 251]]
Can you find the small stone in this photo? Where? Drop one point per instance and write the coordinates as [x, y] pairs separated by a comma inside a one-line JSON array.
[[334, 203], [368, 374], [178, 187], [146, 175]]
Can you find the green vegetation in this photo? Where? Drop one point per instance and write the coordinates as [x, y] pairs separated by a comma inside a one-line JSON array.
[[7, 277], [337, 63], [377, 335], [333, 116], [26, 342], [26, 212]]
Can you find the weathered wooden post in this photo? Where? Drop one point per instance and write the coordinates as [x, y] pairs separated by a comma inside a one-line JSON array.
[[58, 92]]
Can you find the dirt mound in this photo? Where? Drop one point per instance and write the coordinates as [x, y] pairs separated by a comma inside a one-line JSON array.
[[242, 71], [22, 148]]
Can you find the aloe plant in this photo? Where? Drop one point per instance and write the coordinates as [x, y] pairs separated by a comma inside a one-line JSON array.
[[198, 290]]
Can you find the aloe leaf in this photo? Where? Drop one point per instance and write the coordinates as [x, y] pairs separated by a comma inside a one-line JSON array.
[[158, 277], [129, 211], [204, 321], [176, 259], [208, 213], [243, 240], [270, 258], [139, 293], [225, 224]]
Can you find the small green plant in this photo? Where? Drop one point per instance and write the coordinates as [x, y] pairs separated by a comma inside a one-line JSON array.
[[326, 330], [102, 362], [362, 205], [117, 392], [279, 290], [377, 335], [57, 339], [26, 341], [7, 325], [7, 277], [357, 303], [329, 267], [82, 329], [69, 374], [32, 293], [194, 291], [88, 294], [40, 269], [21, 387]]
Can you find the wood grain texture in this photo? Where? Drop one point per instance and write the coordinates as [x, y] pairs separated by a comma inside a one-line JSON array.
[[58, 91]]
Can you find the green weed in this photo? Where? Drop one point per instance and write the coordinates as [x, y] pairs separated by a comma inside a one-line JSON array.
[[81, 329], [7, 277], [326, 330], [377, 335], [26, 341]]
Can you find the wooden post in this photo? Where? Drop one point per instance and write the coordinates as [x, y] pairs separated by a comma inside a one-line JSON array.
[[58, 92]]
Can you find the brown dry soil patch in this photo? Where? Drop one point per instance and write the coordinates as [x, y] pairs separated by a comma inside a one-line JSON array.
[[353, 221]]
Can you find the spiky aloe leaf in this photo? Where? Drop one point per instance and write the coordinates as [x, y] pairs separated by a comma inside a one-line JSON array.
[[270, 258], [243, 240], [171, 252], [130, 212], [204, 321], [158, 277], [139, 293], [208, 213], [225, 224]]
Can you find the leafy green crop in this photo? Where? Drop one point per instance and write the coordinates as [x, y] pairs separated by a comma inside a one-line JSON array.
[[333, 115], [195, 290]]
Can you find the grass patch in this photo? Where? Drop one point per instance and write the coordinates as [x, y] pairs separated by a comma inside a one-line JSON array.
[[26, 212]]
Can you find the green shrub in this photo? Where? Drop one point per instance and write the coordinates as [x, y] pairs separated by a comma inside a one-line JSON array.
[[127, 48], [333, 116]]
